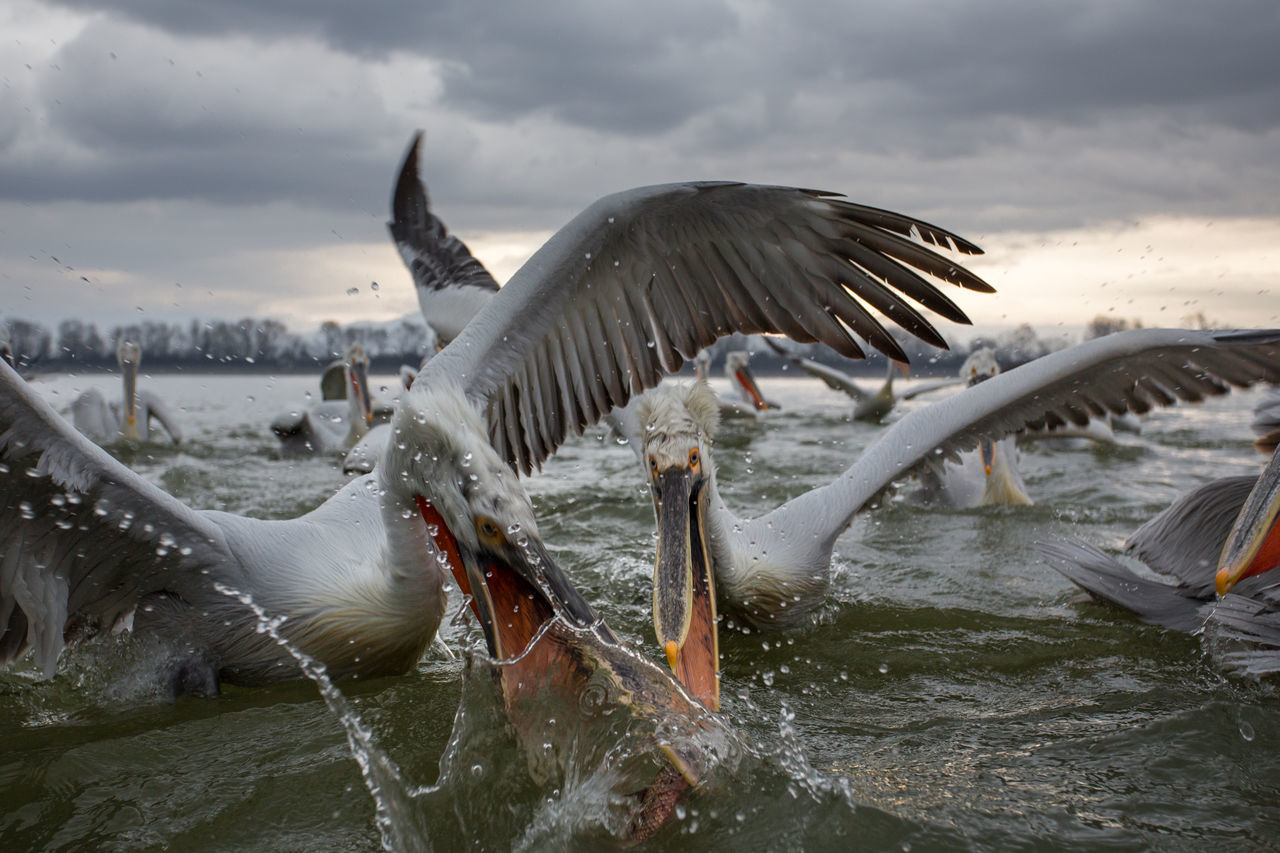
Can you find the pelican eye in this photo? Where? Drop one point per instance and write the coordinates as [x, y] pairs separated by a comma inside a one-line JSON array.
[[488, 531], [653, 464], [694, 459]]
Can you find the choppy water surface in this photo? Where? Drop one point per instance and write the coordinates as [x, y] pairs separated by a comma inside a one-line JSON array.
[[954, 692]]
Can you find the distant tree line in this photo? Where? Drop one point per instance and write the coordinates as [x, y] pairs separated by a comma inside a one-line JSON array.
[[268, 343]]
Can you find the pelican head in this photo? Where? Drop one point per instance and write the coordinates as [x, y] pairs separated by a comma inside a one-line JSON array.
[[980, 366], [129, 357], [678, 425], [479, 523], [1253, 547], [702, 364], [737, 366], [357, 364]]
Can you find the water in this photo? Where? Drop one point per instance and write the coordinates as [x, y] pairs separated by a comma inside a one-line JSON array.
[[953, 692]]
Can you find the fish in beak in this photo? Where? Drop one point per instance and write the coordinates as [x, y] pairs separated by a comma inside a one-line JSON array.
[[684, 606], [561, 670], [1254, 544]]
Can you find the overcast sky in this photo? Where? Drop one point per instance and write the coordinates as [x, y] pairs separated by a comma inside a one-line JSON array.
[[173, 158]]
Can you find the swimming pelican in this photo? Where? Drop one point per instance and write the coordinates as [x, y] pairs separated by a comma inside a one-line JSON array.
[[331, 425], [1218, 545], [452, 284], [364, 454], [986, 476], [633, 285], [749, 402], [773, 570], [1266, 420], [868, 405], [130, 419]]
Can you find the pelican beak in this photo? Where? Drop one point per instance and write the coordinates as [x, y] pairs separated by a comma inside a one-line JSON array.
[[1254, 544], [360, 382], [747, 380], [684, 607], [987, 449]]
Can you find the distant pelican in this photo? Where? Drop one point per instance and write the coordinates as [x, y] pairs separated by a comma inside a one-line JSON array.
[[364, 454], [332, 425], [748, 401], [868, 405], [621, 295], [773, 570], [129, 419], [1221, 538], [1266, 420]]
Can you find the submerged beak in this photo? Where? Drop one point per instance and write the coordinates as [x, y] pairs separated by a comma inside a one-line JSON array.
[[747, 380], [987, 448], [684, 608], [1254, 544]]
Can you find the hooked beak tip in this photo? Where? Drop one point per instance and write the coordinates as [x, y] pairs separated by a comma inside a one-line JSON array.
[[673, 651], [1222, 582]]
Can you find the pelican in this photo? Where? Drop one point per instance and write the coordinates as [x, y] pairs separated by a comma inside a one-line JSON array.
[[750, 401], [130, 419], [1266, 420], [331, 425], [452, 284], [364, 454], [626, 291], [867, 406], [1217, 544], [772, 571], [989, 475]]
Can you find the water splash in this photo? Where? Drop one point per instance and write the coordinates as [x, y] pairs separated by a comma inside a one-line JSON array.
[[394, 814]]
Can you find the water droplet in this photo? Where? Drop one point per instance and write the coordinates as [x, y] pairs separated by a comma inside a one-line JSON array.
[[883, 668], [352, 291], [1246, 731]]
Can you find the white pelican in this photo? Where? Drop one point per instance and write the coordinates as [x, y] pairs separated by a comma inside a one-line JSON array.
[[749, 401], [986, 476], [870, 406], [364, 454], [452, 284], [331, 425], [773, 570], [1266, 420], [633, 285], [1221, 539], [129, 419]]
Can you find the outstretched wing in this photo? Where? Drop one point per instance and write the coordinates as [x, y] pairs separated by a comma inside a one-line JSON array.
[[452, 285], [160, 411], [834, 378], [1129, 371], [643, 279], [81, 536]]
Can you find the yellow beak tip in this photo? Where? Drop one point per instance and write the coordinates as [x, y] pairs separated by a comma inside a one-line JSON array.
[[1222, 582], [673, 651]]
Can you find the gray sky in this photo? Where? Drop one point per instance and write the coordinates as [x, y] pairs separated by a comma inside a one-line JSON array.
[[172, 158]]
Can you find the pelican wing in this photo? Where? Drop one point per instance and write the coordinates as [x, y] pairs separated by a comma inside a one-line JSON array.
[[81, 536], [452, 284], [159, 410], [1128, 371], [835, 379], [1186, 539], [1105, 578], [930, 387], [643, 279], [1242, 631]]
